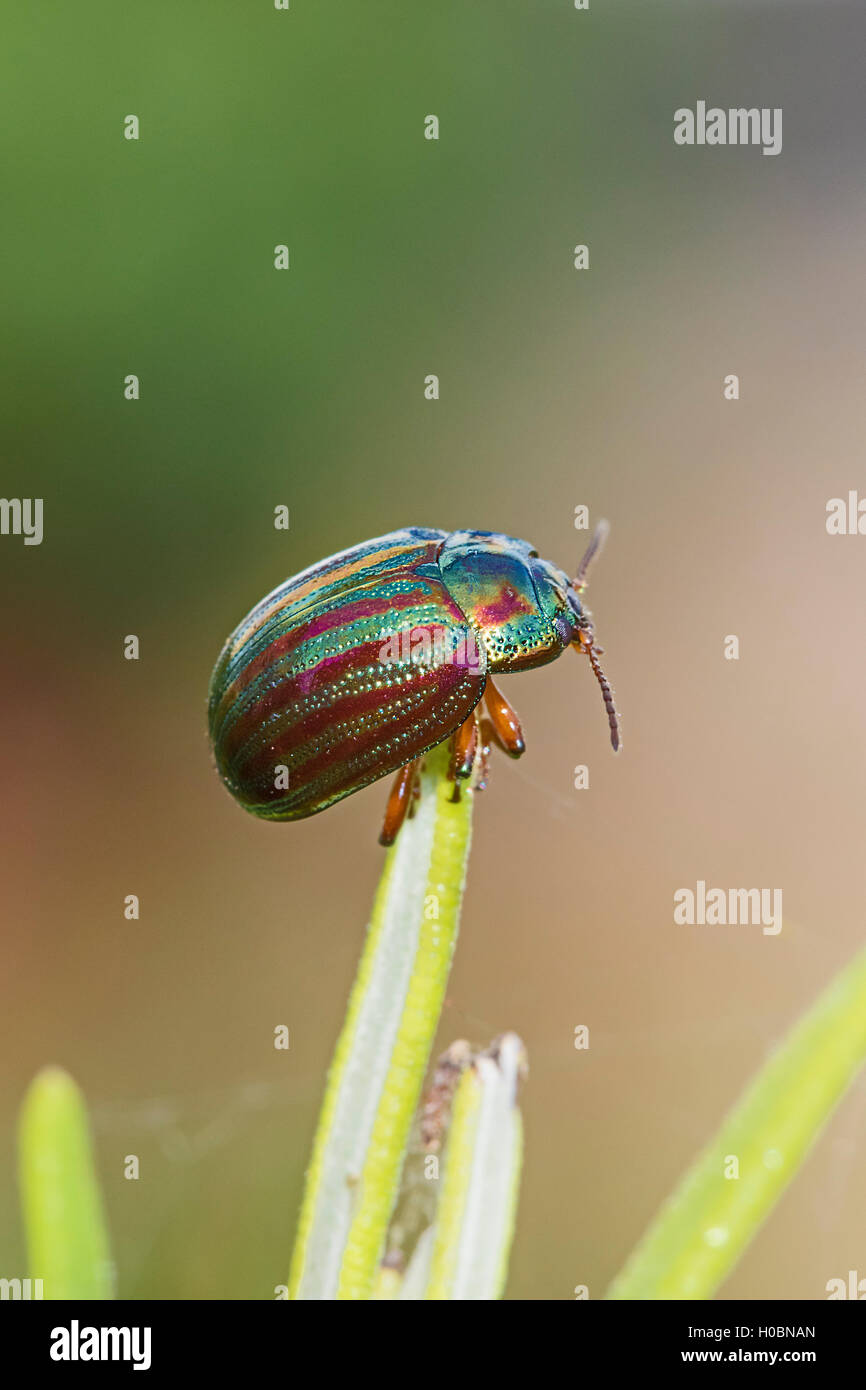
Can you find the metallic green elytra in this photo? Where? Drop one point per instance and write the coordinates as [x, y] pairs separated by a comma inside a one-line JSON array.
[[354, 668]]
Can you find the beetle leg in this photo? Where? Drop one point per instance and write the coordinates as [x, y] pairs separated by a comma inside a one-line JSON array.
[[464, 746], [506, 725], [399, 802]]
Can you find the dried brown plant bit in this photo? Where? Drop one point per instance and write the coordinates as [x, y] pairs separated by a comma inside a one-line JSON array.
[[436, 1105]]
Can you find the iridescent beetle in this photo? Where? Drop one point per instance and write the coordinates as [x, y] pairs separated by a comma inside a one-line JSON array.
[[358, 666]]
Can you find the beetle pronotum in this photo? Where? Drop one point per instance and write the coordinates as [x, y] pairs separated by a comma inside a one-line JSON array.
[[359, 665]]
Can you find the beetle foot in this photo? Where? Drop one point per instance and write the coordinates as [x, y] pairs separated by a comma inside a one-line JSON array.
[[464, 747]]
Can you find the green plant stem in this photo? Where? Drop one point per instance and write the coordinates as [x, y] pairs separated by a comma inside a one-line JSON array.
[[707, 1223], [383, 1050], [67, 1240]]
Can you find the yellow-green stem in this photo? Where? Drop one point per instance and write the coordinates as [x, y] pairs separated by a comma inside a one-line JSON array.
[[383, 1050]]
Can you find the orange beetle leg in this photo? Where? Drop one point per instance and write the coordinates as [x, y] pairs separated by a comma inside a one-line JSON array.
[[464, 746], [399, 802], [506, 725]]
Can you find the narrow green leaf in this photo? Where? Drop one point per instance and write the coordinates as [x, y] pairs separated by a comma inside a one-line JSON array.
[[67, 1240], [476, 1207], [710, 1219]]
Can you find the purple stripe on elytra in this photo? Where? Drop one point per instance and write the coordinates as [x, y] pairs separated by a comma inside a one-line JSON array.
[[320, 776], [311, 589], [298, 649], [286, 703]]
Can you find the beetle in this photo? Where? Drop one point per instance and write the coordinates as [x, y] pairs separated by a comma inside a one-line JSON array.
[[359, 665]]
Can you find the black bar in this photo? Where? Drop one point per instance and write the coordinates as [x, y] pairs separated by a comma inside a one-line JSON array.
[[223, 1338]]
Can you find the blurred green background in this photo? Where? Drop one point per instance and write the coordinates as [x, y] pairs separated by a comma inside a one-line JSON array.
[[305, 387]]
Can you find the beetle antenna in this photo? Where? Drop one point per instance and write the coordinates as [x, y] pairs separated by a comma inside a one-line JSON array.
[[607, 696], [599, 536]]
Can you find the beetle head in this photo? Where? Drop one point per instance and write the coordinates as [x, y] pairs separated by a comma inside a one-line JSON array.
[[523, 609], [517, 603]]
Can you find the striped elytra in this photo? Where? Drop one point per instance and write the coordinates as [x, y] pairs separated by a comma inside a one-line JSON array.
[[354, 668]]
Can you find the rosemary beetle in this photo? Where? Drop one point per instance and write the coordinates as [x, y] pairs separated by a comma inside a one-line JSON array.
[[355, 668]]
